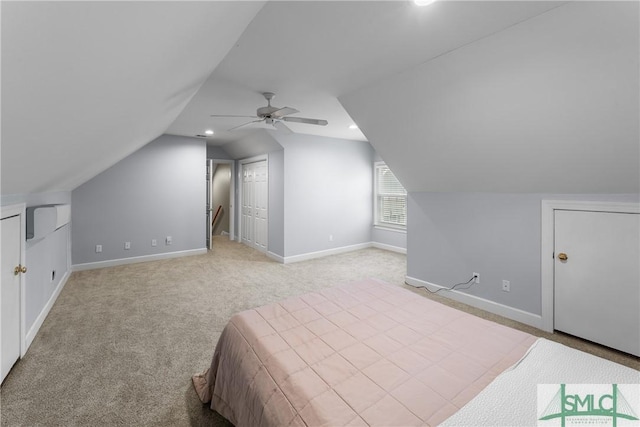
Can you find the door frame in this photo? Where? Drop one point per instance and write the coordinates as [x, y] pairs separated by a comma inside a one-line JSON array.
[[232, 193], [547, 276], [254, 159], [19, 209]]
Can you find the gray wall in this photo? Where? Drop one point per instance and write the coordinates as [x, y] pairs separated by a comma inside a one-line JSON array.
[[317, 187], [157, 191], [276, 202], [43, 256], [452, 235], [254, 144], [398, 239], [327, 191], [216, 152]]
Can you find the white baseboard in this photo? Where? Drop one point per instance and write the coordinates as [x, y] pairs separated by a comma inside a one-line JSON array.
[[334, 251], [30, 336], [137, 259], [327, 252], [389, 247], [516, 314], [275, 257]]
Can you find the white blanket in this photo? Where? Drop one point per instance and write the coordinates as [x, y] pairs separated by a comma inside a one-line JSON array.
[[511, 399]]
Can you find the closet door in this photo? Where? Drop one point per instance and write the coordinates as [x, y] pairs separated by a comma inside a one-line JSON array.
[[255, 203], [10, 293], [597, 277], [248, 203], [261, 203]]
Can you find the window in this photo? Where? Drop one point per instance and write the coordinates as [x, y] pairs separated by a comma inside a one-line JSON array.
[[390, 199]]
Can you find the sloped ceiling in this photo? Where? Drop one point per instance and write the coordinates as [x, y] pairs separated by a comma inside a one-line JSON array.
[[548, 105], [459, 96], [84, 84], [311, 52]]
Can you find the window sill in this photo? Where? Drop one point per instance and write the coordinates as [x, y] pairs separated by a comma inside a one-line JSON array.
[[389, 228]]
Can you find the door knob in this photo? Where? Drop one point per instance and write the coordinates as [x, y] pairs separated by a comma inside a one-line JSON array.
[[19, 269], [562, 256]]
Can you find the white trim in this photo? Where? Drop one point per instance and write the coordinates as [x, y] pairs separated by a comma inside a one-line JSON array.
[[37, 324], [389, 247], [483, 304], [389, 228], [547, 244], [276, 257], [232, 193], [19, 209], [334, 251], [137, 259], [327, 252]]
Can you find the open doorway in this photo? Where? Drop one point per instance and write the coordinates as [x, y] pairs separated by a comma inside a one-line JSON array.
[[220, 195]]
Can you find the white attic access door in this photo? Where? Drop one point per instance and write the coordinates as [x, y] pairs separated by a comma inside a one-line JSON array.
[[591, 272]]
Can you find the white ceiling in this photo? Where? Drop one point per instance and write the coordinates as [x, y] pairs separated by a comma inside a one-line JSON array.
[[311, 52]]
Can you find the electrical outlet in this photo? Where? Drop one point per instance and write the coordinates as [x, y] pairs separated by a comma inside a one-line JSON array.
[[331, 237], [127, 245], [154, 242], [168, 240], [476, 277], [98, 249], [506, 286]]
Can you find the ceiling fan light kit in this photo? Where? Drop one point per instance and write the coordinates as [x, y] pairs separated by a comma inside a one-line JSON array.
[[272, 115]]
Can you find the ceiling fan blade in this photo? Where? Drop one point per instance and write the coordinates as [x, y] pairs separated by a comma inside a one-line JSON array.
[[243, 117], [284, 111], [307, 121], [245, 124], [282, 127]]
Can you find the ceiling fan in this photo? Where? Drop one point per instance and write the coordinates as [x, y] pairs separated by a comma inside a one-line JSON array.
[[274, 115]]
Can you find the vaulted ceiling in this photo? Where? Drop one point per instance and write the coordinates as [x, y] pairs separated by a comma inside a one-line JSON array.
[[449, 94], [85, 84]]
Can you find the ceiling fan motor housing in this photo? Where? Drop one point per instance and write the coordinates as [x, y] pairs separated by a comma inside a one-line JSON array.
[[266, 111]]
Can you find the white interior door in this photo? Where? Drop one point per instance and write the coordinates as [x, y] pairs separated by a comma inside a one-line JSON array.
[[255, 202], [9, 294], [597, 286], [261, 201], [247, 203]]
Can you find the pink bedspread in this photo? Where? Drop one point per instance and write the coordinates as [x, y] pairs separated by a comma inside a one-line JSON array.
[[367, 353]]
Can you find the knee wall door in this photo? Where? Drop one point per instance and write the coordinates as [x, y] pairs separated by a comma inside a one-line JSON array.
[[597, 277]]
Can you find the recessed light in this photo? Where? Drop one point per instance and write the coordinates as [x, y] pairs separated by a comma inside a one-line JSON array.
[[353, 126], [208, 132], [424, 2]]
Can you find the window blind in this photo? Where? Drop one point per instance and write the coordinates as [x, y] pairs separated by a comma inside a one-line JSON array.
[[391, 199]]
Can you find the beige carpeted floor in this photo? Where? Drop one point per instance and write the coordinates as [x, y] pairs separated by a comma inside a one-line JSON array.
[[120, 345]]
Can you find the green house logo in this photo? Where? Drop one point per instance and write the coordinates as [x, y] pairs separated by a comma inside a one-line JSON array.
[[588, 405]]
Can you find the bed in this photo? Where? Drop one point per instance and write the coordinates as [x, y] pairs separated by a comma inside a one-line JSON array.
[[370, 353]]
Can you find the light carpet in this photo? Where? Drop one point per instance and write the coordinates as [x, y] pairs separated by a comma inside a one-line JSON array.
[[121, 343]]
